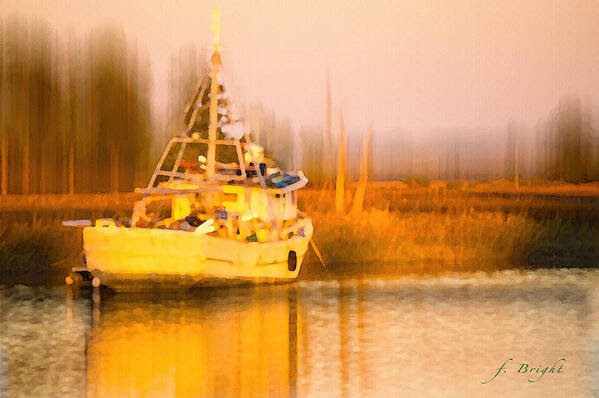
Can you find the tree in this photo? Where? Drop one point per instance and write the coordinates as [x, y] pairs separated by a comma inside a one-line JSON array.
[[569, 141]]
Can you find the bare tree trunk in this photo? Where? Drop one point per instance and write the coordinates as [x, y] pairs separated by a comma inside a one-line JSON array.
[[26, 125], [340, 183], [71, 169], [25, 149], [48, 133], [130, 67], [439, 162], [63, 183], [4, 155], [516, 164], [25, 175], [457, 160], [3, 115], [358, 203], [114, 157]]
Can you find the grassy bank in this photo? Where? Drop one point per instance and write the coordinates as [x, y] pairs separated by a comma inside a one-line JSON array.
[[39, 254], [469, 240], [402, 229]]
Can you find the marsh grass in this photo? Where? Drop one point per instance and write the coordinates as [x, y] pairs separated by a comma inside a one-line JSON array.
[[470, 227], [401, 229], [39, 254], [469, 239]]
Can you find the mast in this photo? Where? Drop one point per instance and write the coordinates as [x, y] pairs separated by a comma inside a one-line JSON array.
[[215, 62]]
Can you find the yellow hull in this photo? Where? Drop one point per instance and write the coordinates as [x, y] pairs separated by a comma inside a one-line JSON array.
[[132, 258]]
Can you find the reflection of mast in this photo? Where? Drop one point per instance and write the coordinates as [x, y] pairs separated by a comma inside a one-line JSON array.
[[216, 62]]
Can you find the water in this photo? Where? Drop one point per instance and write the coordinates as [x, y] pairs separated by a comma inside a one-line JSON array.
[[407, 337]]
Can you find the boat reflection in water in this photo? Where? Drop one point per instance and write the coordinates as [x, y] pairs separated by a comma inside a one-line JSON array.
[[224, 342], [407, 337]]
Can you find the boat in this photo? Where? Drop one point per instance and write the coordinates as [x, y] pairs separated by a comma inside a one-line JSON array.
[[214, 211]]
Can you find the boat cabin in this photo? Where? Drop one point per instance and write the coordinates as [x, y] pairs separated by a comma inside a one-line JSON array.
[[241, 199]]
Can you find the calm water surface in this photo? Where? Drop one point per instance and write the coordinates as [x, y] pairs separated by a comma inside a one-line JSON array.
[[407, 337]]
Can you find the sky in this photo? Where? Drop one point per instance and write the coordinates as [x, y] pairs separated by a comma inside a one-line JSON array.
[[416, 65]]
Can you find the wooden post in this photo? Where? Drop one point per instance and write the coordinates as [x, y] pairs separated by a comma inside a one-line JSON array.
[[340, 183], [358, 203], [512, 140], [328, 153]]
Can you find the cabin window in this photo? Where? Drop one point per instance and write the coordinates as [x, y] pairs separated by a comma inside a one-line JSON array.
[[227, 162], [159, 180], [227, 154], [169, 161], [194, 159]]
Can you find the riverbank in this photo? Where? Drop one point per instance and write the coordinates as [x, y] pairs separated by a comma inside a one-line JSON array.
[[403, 229]]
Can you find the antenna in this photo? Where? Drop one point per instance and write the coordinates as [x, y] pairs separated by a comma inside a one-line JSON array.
[[215, 27]]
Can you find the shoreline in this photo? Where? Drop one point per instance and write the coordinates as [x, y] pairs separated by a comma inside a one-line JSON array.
[[401, 228]]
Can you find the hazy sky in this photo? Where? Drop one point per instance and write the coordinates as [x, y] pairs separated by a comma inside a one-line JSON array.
[[417, 65]]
